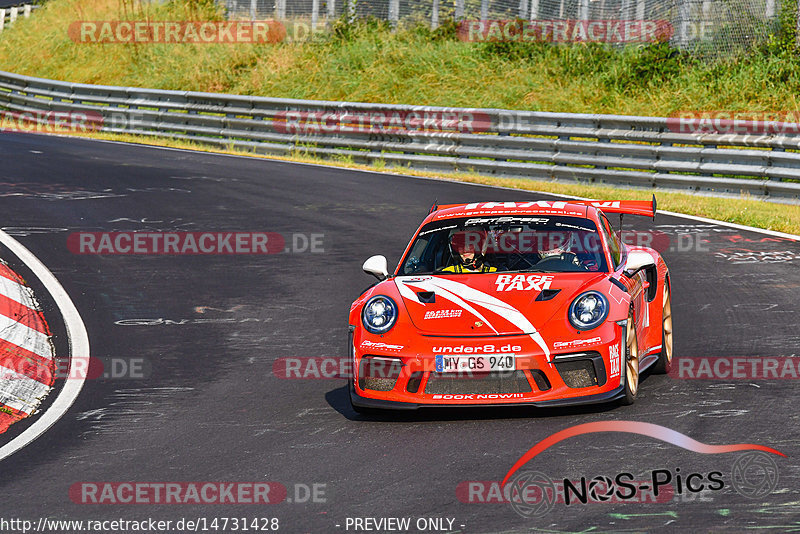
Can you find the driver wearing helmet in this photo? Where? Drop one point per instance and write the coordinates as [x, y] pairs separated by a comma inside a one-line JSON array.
[[562, 245], [555, 244], [467, 248]]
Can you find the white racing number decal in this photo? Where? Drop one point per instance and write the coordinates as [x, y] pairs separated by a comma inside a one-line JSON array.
[[521, 282]]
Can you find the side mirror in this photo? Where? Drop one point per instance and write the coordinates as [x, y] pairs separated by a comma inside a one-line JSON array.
[[638, 260], [377, 267]]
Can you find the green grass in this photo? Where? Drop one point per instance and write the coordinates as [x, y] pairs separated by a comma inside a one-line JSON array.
[[369, 63]]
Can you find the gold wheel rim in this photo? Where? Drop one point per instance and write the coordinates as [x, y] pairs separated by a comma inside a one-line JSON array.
[[632, 360], [667, 348]]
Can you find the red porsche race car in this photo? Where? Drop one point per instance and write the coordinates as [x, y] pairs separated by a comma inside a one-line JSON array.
[[537, 303]]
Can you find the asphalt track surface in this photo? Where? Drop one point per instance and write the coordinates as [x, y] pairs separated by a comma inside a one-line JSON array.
[[212, 410]]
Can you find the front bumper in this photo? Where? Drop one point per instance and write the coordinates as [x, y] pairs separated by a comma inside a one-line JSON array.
[[584, 373], [368, 402]]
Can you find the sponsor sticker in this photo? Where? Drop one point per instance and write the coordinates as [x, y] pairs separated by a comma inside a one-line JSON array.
[[614, 357], [521, 282], [442, 314], [415, 279], [577, 343], [478, 396], [486, 349], [379, 345]]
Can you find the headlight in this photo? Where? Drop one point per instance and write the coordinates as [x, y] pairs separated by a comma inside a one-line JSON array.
[[379, 314], [588, 311]]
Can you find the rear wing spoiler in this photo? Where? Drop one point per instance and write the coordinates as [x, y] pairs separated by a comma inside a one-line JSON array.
[[646, 208]]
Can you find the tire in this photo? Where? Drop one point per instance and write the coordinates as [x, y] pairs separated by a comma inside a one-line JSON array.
[[631, 364], [664, 363]]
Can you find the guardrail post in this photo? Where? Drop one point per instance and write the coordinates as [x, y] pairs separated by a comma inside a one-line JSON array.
[[314, 13], [252, 9], [280, 8], [351, 11], [640, 9], [797, 27], [435, 15], [14, 13], [583, 10], [523, 9], [459, 14], [769, 12], [602, 140], [2, 19], [534, 9], [684, 16], [331, 8], [26, 10], [394, 13], [625, 10], [484, 9], [769, 161]]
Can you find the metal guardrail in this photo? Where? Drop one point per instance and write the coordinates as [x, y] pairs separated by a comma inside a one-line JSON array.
[[606, 149]]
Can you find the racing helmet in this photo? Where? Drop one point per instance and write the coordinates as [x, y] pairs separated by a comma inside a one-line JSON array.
[[554, 243], [466, 242]]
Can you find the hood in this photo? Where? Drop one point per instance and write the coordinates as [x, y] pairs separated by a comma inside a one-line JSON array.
[[489, 304]]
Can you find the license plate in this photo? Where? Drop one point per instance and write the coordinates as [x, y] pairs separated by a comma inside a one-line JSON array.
[[475, 364]]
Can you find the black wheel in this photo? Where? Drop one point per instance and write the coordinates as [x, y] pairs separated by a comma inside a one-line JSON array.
[[631, 364], [664, 363]]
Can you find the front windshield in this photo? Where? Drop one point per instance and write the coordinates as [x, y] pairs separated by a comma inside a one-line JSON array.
[[506, 244]]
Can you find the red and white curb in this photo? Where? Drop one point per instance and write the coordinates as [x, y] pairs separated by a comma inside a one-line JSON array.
[[27, 364], [34, 341]]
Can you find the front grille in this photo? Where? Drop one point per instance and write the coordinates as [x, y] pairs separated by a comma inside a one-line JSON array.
[[378, 384], [577, 373], [495, 382], [379, 373]]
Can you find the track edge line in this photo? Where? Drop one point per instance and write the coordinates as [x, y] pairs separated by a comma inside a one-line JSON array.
[[78, 341]]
